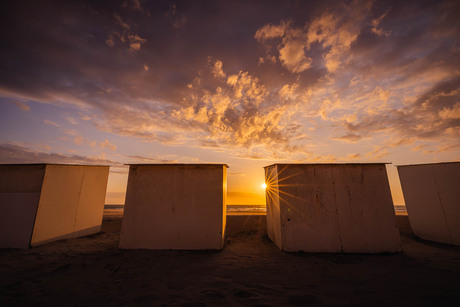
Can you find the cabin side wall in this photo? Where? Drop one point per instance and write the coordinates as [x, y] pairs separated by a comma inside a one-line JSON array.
[[71, 202], [431, 193], [20, 187], [92, 199]]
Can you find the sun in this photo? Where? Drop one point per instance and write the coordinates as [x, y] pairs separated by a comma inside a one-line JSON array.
[[263, 185]]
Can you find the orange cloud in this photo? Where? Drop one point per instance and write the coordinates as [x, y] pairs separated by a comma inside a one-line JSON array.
[[21, 105], [49, 122], [107, 144]]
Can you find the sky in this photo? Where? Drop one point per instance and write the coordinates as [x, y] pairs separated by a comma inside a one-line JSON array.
[[246, 83]]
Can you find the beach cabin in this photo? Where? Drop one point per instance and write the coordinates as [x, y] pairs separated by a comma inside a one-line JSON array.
[[331, 208], [40, 203], [432, 196], [175, 206]]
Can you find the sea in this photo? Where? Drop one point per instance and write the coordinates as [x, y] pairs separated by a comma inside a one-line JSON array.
[[400, 209], [249, 209], [231, 209]]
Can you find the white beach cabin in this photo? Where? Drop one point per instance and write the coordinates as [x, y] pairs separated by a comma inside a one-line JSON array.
[[432, 196], [175, 206], [40, 203], [331, 208]]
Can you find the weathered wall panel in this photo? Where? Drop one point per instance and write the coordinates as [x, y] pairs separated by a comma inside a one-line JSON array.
[[309, 209], [58, 203], [175, 206], [92, 195], [334, 208], [432, 196]]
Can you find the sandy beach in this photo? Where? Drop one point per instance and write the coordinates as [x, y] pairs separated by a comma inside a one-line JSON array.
[[249, 271]]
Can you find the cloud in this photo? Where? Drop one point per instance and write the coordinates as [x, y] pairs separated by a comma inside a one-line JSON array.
[[291, 50], [238, 113], [330, 34], [352, 71], [270, 31], [401, 86], [176, 20], [106, 86], [349, 137], [247, 88], [337, 31], [80, 140], [450, 147], [217, 70], [125, 34], [49, 122], [160, 159], [107, 144], [23, 106], [12, 153], [121, 22], [134, 5], [172, 10], [288, 90], [179, 22], [435, 114], [376, 29], [292, 56], [231, 173], [378, 153], [135, 42], [450, 113], [137, 5], [72, 120], [143, 159]]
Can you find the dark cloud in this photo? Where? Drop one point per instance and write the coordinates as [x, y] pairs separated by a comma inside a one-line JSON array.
[[11, 153], [139, 159], [420, 38], [148, 68], [436, 113]]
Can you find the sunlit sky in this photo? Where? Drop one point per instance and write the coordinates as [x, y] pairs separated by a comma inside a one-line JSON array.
[[246, 83]]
